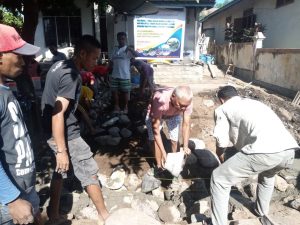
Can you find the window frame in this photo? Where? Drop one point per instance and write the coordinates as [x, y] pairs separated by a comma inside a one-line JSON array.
[[70, 42]]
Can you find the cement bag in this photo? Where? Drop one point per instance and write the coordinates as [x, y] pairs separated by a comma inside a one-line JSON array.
[[174, 163]]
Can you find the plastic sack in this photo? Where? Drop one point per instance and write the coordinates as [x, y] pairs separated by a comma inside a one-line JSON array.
[[174, 163]]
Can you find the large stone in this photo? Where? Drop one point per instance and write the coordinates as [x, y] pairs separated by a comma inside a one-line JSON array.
[[127, 216], [286, 114], [123, 119], [110, 122], [113, 141], [114, 131], [169, 213], [132, 182], [116, 179], [296, 204], [280, 183], [102, 140], [125, 133], [239, 214], [159, 193], [149, 183], [89, 213], [143, 205]]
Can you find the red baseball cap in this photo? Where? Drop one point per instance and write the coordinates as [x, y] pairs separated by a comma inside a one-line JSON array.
[[11, 41]]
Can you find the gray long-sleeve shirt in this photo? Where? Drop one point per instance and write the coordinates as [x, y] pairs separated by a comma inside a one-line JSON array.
[[251, 126]]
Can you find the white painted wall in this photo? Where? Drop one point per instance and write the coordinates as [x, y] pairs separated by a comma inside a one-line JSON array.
[[282, 24], [86, 17], [189, 37], [283, 28]]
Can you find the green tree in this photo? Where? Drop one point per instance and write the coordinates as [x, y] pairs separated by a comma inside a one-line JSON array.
[[11, 19], [30, 9]]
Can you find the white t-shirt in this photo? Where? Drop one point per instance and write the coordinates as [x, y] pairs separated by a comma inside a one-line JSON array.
[[251, 126], [121, 63]]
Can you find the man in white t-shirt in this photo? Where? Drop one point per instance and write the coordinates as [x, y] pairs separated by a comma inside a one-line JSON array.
[[120, 78]]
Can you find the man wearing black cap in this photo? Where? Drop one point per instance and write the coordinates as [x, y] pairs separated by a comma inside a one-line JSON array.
[[19, 202], [264, 148]]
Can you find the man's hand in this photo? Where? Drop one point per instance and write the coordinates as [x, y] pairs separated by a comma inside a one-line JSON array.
[[62, 161], [21, 211], [186, 150]]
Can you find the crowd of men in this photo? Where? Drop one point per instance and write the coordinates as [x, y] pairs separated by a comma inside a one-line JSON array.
[[263, 143]]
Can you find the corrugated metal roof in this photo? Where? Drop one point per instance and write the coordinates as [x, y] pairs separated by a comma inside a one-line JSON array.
[[184, 3], [225, 7]]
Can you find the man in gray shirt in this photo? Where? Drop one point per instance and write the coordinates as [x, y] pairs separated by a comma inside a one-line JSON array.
[[265, 147]]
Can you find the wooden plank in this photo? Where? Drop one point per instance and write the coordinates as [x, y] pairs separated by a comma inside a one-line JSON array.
[[296, 100]]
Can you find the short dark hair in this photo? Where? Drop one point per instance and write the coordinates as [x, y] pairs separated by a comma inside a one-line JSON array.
[[227, 92], [121, 34], [86, 42]]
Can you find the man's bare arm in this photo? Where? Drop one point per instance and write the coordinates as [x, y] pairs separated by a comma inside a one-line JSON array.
[[157, 138], [58, 132], [186, 132]]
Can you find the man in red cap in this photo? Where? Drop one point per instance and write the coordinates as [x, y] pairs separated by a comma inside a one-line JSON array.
[[19, 202]]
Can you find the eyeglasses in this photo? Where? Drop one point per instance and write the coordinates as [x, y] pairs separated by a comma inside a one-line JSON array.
[[182, 106]]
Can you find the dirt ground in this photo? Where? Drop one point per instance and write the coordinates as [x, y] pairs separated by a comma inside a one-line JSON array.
[[133, 153], [202, 124]]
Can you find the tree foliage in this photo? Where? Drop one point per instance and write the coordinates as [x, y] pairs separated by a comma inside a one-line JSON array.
[[11, 19]]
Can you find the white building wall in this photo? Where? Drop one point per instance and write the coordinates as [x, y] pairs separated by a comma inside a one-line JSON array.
[[86, 17], [86, 27], [282, 24], [189, 37]]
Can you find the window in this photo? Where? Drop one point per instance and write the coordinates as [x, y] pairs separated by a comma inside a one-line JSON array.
[[249, 19], [248, 12], [280, 3], [63, 31]]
